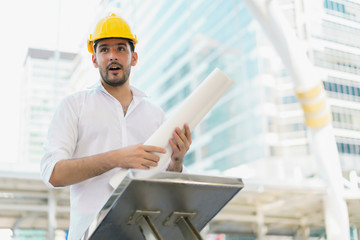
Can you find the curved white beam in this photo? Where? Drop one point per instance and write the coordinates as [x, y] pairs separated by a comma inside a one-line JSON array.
[[311, 95]]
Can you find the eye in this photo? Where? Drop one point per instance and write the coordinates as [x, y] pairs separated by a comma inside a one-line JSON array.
[[121, 48], [103, 50]]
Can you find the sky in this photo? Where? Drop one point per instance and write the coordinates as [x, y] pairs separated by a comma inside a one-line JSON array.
[[38, 24]]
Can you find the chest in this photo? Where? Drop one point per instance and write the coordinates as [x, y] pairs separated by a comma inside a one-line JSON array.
[[105, 121]]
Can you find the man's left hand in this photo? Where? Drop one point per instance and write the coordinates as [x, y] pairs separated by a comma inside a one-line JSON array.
[[180, 144]]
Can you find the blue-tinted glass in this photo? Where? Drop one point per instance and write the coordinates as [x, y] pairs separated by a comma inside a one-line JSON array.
[[347, 90], [333, 116], [251, 68], [331, 5], [338, 88], [248, 42], [341, 88], [342, 147], [352, 90], [346, 148], [331, 87], [289, 99], [342, 8], [189, 158], [326, 85], [174, 78], [200, 10]]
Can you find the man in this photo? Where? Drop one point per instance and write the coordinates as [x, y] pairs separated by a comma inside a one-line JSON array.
[[99, 130]]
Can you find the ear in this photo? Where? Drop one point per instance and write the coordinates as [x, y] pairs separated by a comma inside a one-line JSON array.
[[93, 57], [134, 59]]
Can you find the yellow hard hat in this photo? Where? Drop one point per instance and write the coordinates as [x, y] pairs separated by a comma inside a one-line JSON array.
[[110, 27]]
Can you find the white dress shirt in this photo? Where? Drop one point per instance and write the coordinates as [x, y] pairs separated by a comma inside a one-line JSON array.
[[88, 123]]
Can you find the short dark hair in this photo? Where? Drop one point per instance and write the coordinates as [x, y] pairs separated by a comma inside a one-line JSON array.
[[131, 43]]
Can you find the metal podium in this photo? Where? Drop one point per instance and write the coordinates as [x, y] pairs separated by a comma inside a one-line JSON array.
[[162, 206]]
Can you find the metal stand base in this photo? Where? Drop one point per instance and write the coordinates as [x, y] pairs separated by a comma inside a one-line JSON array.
[[179, 219], [148, 229], [188, 229], [172, 206]]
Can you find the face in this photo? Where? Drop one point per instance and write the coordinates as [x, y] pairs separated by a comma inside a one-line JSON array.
[[114, 59]]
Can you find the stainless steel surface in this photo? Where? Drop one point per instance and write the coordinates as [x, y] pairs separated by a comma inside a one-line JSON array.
[[175, 216], [148, 229], [166, 192], [139, 213], [188, 229]]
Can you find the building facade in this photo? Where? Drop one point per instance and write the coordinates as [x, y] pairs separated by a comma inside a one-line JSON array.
[[258, 120], [335, 51], [46, 82], [181, 42], [257, 129]]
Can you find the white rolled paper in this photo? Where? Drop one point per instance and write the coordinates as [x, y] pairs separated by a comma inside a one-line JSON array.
[[191, 111]]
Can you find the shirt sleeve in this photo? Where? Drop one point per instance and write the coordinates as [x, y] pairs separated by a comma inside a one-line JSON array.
[[61, 140]]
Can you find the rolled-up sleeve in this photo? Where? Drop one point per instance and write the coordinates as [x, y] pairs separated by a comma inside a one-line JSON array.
[[61, 140]]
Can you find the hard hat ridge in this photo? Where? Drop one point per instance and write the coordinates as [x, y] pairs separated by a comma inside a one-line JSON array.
[[111, 26]]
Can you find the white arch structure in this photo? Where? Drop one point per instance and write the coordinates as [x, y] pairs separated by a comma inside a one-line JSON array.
[[312, 97]]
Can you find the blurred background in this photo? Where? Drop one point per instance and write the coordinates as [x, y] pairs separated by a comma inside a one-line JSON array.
[[256, 132]]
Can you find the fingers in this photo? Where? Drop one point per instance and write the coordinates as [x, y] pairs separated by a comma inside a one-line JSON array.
[[149, 148], [147, 158], [145, 161], [182, 139], [177, 137], [173, 145], [187, 132]]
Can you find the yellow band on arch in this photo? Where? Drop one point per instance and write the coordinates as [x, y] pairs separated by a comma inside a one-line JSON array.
[[311, 93]]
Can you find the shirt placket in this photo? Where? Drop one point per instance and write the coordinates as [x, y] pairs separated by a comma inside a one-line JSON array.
[[122, 124]]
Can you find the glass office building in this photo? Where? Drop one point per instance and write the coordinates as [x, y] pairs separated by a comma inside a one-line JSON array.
[[259, 119], [257, 129], [336, 51]]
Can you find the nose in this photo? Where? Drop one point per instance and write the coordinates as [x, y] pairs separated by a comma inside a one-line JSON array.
[[113, 55]]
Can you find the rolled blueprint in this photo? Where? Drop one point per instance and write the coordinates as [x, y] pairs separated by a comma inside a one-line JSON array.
[[191, 111]]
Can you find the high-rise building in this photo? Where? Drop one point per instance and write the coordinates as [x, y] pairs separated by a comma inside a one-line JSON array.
[[335, 50], [46, 82], [257, 129], [181, 42], [258, 120]]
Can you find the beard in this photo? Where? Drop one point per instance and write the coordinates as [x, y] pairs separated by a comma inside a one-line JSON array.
[[118, 80]]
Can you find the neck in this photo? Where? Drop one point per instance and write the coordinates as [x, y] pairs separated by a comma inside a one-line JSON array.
[[122, 93]]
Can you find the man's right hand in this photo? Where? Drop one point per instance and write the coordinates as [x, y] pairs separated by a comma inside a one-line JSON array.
[[137, 156], [68, 172]]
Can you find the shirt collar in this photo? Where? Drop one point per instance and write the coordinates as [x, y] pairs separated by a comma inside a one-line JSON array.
[[136, 92]]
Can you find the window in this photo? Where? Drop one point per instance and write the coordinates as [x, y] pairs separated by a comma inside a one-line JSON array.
[[345, 90]]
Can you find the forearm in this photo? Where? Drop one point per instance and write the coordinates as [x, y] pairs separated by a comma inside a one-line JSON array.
[[68, 172], [176, 165]]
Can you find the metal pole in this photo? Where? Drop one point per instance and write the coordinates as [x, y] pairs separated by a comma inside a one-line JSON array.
[[148, 229], [261, 228], [51, 214], [188, 229]]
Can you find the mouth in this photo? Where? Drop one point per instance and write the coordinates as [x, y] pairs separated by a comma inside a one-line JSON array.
[[114, 67]]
